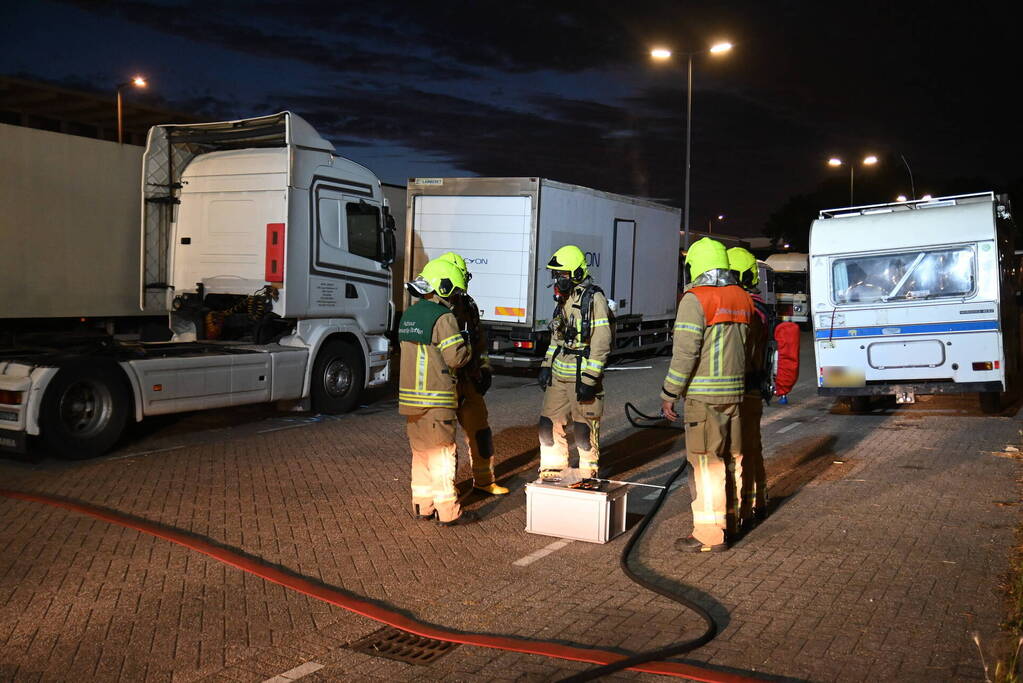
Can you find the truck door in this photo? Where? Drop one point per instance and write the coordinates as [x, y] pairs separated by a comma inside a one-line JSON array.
[[621, 269], [347, 276]]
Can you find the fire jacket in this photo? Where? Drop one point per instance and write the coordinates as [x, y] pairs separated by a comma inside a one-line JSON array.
[[708, 360], [570, 355], [468, 316], [432, 348]]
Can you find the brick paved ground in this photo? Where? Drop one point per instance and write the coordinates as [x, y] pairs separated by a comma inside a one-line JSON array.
[[885, 551]]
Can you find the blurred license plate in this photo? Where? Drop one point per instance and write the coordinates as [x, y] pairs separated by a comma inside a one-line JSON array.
[[842, 376]]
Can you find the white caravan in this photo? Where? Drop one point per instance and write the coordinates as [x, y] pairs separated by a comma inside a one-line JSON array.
[[915, 298], [792, 286], [508, 228], [271, 255]]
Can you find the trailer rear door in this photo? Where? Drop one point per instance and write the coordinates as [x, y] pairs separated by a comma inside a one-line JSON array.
[[492, 234]]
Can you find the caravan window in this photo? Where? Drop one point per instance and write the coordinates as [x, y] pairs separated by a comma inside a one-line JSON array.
[[904, 276]]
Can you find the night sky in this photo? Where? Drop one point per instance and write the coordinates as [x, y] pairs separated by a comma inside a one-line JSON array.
[[566, 90]]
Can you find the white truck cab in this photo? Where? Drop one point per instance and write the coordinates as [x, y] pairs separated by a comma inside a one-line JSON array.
[[915, 298], [271, 255]]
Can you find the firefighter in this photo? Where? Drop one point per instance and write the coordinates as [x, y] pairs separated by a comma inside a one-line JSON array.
[[707, 370], [474, 379], [753, 495], [432, 349], [573, 368]]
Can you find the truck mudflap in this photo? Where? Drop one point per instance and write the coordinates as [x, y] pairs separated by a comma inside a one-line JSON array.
[[912, 388], [13, 442]]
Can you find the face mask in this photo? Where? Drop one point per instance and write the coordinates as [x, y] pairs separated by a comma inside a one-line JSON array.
[[562, 287]]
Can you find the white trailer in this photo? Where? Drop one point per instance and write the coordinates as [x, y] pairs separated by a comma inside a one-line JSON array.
[[792, 285], [916, 298], [507, 229], [270, 254]]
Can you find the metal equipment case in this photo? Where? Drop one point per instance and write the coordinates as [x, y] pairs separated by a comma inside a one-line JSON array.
[[554, 509]]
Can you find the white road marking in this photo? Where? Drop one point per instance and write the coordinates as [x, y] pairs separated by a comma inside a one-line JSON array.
[[296, 673], [141, 453], [277, 429], [542, 552], [788, 427]]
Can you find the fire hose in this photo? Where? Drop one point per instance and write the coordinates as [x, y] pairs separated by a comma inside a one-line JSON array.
[[607, 659]]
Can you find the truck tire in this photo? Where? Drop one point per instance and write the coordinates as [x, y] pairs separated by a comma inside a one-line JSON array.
[[990, 402], [337, 380], [84, 410]]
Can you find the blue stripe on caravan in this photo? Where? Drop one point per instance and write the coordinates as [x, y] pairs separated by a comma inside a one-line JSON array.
[[893, 330]]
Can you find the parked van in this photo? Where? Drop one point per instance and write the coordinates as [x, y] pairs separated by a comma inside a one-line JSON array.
[[916, 298]]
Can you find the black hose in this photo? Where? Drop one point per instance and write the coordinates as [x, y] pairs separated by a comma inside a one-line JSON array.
[[672, 650], [629, 409]]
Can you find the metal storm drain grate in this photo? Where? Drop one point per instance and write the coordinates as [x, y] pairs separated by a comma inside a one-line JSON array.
[[405, 647]]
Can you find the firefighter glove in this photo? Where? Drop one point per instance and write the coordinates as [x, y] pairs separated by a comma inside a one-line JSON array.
[[486, 379], [586, 392], [544, 378]]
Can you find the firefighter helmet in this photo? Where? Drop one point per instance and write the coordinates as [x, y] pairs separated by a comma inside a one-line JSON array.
[[572, 260], [443, 276], [745, 266], [703, 255], [452, 257]]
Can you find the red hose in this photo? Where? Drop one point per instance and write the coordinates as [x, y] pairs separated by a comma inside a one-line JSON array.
[[371, 610]]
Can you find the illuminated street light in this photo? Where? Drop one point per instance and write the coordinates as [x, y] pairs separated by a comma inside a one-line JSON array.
[[901, 198], [662, 54], [869, 160], [710, 223], [138, 82], [927, 198]]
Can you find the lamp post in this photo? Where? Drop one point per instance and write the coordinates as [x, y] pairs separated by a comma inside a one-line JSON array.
[[912, 186], [710, 223], [835, 162], [663, 54], [138, 82]]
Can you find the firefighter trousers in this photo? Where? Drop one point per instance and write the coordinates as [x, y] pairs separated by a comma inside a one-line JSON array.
[[754, 477], [434, 461], [714, 450], [474, 419], [560, 406]]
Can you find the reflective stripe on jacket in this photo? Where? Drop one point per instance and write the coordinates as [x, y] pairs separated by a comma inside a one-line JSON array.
[[708, 361]]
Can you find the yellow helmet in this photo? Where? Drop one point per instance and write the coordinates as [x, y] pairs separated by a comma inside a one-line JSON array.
[[459, 262], [703, 255], [443, 277], [570, 258], [745, 265]]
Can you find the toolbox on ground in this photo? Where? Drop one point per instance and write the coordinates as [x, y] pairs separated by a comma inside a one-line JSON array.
[[594, 515]]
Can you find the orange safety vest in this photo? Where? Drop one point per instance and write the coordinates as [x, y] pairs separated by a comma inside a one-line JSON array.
[[728, 304]]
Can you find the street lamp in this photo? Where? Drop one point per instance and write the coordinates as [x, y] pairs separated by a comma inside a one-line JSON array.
[[835, 162], [138, 82], [710, 223], [661, 53]]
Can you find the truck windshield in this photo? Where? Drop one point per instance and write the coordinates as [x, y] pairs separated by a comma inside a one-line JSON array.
[[904, 276]]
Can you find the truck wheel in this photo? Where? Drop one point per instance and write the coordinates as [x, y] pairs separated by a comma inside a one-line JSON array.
[[84, 411], [990, 402], [338, 375]]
